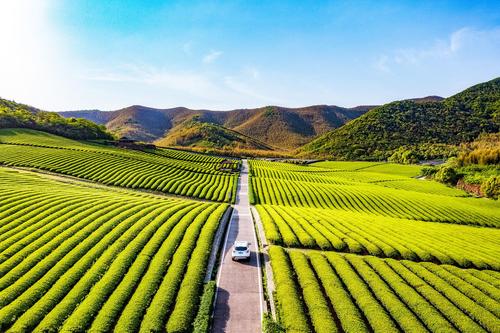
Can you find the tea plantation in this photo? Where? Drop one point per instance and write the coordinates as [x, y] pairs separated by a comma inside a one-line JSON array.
[[397, 253]]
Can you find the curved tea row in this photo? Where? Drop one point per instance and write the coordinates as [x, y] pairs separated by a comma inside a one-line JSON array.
[[328, 292]]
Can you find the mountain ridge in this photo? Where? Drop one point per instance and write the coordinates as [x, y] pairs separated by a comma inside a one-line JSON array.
[[286, 128]]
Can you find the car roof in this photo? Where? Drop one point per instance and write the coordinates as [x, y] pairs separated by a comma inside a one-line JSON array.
[[241, 243]]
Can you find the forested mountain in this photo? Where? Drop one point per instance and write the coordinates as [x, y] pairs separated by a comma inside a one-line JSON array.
[[16, 115], [277, 126], [379, 132]]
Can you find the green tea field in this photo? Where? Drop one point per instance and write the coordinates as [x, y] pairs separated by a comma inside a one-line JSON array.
[[167, 171], [95, 238]]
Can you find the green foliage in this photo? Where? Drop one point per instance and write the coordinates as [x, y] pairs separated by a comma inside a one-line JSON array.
[[321, 206], [381, 194], [446, 174], [271, 326], [491, 187], [483, 151], [194, 133], [81, 258], [404, 156], [349, 315], [337, 230], [321, 318], [383, 130], [202, 321], [14, 115], [186, 304], [429, 171]]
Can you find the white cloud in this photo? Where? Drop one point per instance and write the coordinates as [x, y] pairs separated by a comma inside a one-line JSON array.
[[188, 82], [187, 48], [251, 72], [211, 57], [458, 38], [381, 63], [241, 87], [459, 41]]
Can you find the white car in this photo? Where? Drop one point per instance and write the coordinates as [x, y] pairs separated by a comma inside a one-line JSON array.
[[241, 250]]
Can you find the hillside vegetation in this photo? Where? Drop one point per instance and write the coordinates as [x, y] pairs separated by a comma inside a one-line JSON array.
[[476, 169], [409, 124], [15, 115], [207, 135]]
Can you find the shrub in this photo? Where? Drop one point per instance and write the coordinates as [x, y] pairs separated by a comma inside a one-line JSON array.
[[428, 171], [447, 175], [491, 187], [271, 326]]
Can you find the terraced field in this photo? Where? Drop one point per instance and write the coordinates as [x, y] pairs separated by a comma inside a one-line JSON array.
[[409, 243], [174, 172], [76, 258], [329, 292]]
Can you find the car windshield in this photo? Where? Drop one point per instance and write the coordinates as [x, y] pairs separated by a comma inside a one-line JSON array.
[[240, 248]]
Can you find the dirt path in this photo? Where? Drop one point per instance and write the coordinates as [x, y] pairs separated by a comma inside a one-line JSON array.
[[239, 303]]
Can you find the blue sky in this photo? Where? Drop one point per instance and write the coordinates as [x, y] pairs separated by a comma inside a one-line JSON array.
[[85, 54]]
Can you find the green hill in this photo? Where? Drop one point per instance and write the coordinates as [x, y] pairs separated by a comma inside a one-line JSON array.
[[194, 133], [15, 115], [379, 132]]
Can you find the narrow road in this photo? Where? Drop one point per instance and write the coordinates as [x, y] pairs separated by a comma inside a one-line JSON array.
[[238, 307]]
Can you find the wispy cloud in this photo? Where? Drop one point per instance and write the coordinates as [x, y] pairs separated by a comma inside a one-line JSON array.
[[458, 41], [241, 87], [382, 63], [184, 81], [251, 72], [187, 48], [211, 56], [190, 85]]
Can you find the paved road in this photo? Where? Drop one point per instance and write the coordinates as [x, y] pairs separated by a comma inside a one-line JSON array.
[[238, 307]]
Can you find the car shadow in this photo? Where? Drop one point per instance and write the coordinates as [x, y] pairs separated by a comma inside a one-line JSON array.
[[222, 311]]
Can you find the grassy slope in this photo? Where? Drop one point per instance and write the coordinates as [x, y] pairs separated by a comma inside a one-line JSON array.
[[328, 292], [417, 283]]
